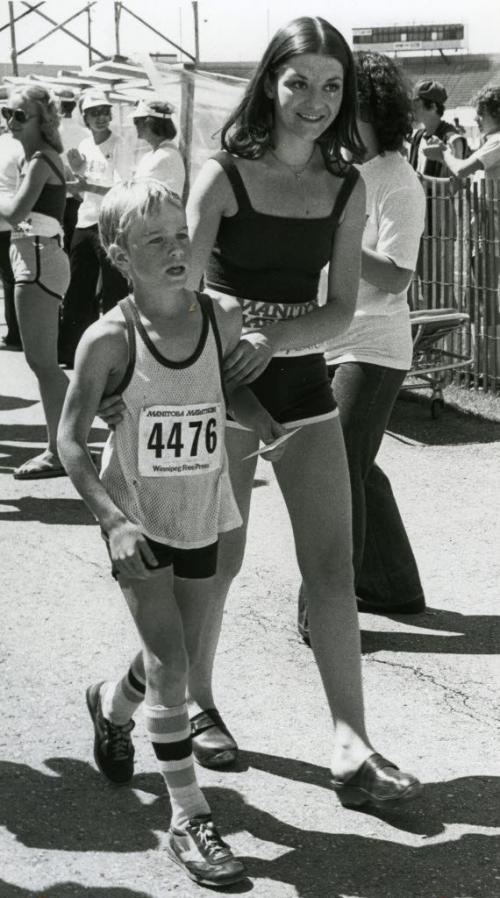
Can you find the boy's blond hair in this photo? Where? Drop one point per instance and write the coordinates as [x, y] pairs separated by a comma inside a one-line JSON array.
[[129, 201]]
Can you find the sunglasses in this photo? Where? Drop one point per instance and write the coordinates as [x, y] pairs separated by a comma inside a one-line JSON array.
[[99, 110], [18, 115]]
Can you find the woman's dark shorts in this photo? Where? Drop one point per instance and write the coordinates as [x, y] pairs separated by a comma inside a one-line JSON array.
[[296, 389]]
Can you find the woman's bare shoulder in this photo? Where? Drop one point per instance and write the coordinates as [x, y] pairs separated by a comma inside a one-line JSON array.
[[212, 186]]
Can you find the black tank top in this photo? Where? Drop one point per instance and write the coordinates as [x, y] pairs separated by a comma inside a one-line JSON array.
[[268, 257], [52, 199]]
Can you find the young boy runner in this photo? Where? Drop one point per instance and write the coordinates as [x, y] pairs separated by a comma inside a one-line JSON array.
[[164, 493]]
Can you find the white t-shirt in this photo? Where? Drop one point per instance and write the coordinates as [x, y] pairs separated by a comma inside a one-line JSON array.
[[105, 165], [11, 161], [380, 331], [489, 154], [165, 163], [72, 134]]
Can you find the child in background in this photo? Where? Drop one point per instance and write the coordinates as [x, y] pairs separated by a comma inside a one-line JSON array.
[[164, 494]]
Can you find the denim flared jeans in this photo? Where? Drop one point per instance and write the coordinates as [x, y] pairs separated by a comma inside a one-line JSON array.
[[386, 573]]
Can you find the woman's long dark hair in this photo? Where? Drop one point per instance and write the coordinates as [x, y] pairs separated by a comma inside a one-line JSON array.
[[248, 130], [384, 99]]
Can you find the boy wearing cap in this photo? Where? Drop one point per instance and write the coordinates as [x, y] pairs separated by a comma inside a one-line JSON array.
[[154, 124], [98, 163], [429, 100], [435, 261]]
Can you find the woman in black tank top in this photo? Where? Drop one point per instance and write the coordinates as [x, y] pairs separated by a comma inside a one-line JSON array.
[[39, 263], [266, 216]]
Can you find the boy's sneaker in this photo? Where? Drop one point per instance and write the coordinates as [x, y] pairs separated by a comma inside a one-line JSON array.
[[203, 855], [113, 748]]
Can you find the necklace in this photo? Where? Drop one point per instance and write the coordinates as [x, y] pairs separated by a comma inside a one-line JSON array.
[[296, 170]]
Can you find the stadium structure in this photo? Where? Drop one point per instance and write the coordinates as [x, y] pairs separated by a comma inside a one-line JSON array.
[[436, 51]]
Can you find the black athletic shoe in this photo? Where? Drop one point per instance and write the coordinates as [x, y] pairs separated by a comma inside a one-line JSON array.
[[203, 855], [113, 747]]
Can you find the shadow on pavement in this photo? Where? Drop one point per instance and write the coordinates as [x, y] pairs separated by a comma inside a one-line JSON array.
[[326, 865], [464, 634], [411, 419], [74, 810], [68, 890], [35, 438], [467, 801], [9, 403], [47, 511]]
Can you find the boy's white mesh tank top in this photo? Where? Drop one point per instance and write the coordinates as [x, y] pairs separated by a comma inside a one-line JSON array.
[[165, 466]]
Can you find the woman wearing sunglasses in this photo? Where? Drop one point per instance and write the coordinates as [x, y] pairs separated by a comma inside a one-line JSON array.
[[39, 263]]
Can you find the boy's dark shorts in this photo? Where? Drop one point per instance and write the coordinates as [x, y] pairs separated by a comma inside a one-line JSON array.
[[190, 564]]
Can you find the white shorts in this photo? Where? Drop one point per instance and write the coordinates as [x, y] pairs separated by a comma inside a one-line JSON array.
[[41, 261]]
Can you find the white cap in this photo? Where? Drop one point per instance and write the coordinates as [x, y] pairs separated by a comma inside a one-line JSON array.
[[92, 98], [153, 109]]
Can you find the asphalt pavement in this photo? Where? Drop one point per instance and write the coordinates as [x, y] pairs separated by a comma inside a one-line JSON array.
[[431, 685]]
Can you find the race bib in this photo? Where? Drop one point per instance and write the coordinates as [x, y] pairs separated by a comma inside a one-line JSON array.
[[176, 440]]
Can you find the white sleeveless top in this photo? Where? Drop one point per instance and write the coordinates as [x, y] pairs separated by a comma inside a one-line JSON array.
[[165, 465]]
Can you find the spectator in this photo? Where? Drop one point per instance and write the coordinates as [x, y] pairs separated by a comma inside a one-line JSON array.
[[368, 362], [72, 134], [153, 122], [39, 263], [11, 160], [486, 159], [98, 163], [435, 262], [484, 163]]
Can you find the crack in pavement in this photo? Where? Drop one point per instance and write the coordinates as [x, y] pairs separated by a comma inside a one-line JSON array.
[[455, 693]]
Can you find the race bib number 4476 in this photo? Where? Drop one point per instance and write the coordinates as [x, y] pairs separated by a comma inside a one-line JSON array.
[[176, 440]]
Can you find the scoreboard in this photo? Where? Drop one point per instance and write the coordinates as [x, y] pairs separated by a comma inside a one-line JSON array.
[[409, 37]]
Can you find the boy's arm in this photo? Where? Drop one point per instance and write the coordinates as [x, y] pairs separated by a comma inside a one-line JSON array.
[[99, 357], [243, 404]]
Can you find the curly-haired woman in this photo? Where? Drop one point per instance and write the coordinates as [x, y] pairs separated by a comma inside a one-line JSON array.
[[369, 362], [39, 263]]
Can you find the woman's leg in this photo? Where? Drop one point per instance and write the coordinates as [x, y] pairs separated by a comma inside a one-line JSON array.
[[319, 505], [38, 316], [207, 597]]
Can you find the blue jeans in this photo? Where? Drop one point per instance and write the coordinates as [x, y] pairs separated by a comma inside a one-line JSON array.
[[385, 570]]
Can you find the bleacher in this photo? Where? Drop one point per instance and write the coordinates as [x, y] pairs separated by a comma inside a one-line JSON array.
[[463, 75]]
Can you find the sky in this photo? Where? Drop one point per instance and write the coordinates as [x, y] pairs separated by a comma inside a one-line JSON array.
[[228, 29]]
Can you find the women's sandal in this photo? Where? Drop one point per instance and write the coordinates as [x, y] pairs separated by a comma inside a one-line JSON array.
[[377, 782], [213, 745]]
